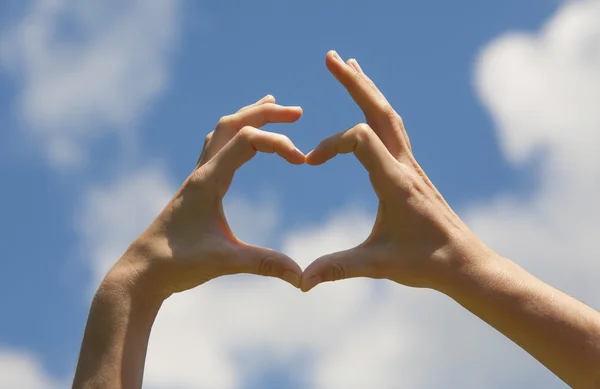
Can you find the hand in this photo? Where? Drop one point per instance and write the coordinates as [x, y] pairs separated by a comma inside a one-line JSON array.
[[190, 242], [416, 236]]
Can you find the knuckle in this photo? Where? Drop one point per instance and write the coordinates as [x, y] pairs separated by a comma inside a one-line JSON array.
[[208, 138], [284, 139], [337, 272], [268, 106], [390, 113], [198, 185], [398, 119], [246, 133], [226, 121], [266, 267], [362, 131], [388, 110], [264, 111]]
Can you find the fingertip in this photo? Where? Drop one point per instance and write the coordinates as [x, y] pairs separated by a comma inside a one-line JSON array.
[[291, 278], [354, 63], [333, 56], [298, 110], [310, 159], [298, 157], [316, 157], [333, 61], [310, 283], [268, 99], [291, 114]]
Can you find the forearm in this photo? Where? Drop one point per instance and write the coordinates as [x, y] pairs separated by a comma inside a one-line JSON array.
[[113, 350], [556, 329]]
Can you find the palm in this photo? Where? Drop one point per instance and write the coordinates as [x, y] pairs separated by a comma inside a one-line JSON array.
[[199, 244], [404, 239]]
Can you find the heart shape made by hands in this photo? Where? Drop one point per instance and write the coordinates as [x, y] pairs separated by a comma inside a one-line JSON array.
[[413, 234]]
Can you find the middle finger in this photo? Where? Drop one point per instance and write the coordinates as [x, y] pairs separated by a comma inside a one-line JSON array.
[[379, 114]]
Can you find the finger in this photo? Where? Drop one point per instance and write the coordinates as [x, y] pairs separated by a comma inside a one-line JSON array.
[[360, 140], [266, 99], [246, 143], [351, 78], [257, 116], [337, 266], [378, 111], [202, 158], [266, 262], [354, 63]]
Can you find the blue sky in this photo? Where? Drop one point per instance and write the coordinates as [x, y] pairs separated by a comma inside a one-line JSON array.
[[220, 56]]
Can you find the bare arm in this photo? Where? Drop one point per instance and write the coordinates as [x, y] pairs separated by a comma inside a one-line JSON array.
[[188, 244], [114, 345], [556, 329], [419, 241]]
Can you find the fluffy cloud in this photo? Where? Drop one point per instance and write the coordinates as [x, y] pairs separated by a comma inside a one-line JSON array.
[[19, 369], [87, 67], [114, 214], [541, 90], [544, 91]]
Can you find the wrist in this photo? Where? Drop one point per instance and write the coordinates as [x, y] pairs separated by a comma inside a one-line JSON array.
[[465, 260], [133, 275], [476, 270]]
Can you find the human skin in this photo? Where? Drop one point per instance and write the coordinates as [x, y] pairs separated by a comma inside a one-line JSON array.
[[417, 240], [188, 244]]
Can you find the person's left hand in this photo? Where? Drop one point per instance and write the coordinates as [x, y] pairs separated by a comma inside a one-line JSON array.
[[417, 239], [190, 242]]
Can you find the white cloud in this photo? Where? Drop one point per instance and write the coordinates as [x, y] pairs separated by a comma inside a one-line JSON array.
[[19, 369], [541, 90], [227, 331], [544, 92], [87, 68], [215, 332], [114, 214]]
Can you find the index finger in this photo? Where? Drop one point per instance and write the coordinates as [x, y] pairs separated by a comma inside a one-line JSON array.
[[255, 116], [360, 140], [386, 123], [369, 99], [247, 142]]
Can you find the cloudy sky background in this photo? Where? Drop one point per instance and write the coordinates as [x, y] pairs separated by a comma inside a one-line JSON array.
[[104, 107]]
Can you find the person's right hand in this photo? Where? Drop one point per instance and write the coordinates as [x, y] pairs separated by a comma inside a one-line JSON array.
[[417, 237]]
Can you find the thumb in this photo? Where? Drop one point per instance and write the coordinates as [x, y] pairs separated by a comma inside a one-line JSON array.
[[345, 264], [267, 262]]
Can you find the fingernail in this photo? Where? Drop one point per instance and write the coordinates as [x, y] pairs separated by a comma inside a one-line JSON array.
[[291, 277], [266, 97], [336, 56]]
